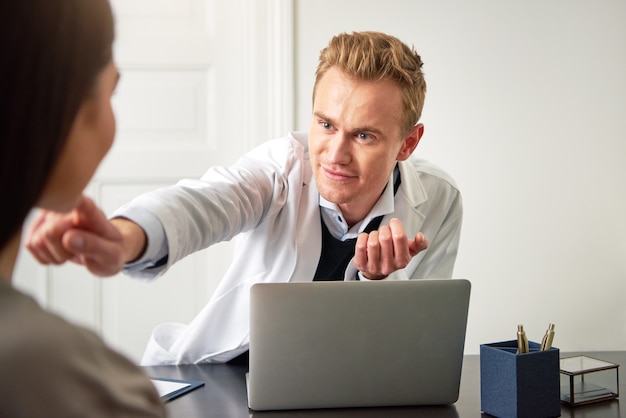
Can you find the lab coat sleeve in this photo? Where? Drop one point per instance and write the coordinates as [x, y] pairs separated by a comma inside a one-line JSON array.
[[225, 201]]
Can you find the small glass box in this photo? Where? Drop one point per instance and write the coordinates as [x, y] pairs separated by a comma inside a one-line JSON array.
[[586, 380]]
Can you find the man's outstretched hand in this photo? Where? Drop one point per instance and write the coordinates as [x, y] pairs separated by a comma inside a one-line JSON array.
[[84, 236]]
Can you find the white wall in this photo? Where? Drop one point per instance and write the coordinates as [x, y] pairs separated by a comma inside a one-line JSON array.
[[526, 109]]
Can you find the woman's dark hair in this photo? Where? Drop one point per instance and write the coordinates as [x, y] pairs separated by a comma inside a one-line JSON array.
[[51, 54]]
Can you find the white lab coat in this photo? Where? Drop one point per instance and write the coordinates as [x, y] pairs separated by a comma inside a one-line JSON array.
[[271, 198]]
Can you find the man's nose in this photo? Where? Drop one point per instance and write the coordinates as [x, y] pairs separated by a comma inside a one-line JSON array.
[[340, 149]]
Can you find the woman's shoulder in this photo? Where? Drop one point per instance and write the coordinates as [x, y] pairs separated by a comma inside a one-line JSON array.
[[43, 354], [32, 332]]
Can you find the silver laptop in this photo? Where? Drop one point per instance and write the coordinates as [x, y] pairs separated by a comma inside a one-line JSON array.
[[356, 344]]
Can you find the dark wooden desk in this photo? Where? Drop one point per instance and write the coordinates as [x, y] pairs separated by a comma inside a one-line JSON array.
[[224, 395]]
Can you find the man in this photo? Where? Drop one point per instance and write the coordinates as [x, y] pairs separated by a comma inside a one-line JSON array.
[[344, 203]]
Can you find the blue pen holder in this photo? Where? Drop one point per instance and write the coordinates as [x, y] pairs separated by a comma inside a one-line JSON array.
[[516, 385]]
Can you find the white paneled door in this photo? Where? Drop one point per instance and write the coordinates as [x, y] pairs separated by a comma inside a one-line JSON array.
[[202, 81]]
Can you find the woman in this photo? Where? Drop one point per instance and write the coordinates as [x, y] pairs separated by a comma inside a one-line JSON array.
[[56, 124]]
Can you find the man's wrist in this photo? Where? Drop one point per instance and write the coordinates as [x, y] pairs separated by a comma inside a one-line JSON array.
[[134, 239], [362, 276]]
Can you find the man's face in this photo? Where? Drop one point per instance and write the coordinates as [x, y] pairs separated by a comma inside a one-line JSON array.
[[355, 140]]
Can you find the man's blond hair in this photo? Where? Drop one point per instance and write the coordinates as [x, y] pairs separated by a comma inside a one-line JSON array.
[[376, 56]]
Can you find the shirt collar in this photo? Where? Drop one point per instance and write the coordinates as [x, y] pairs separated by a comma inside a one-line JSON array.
[[336, 224]]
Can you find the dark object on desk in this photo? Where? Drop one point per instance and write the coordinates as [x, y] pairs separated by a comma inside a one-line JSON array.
[[349, 344], [170, 389], [242, 359], [519, 385]]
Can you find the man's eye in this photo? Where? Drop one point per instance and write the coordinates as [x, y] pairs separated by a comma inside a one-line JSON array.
[[363, 135], [326, 125]]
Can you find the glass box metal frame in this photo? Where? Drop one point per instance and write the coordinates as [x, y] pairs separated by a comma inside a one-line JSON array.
[[587, 380]]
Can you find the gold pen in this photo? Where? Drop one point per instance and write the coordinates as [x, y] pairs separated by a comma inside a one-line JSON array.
[[522, 340], [546, 343]]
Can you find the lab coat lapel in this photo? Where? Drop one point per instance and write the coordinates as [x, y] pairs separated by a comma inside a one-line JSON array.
[[309, 235], [409, 197]]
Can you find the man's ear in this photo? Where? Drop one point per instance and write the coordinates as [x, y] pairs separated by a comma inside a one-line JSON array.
[[410, 142]]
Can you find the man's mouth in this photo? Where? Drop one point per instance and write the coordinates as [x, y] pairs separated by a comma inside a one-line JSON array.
[[337, 175]]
